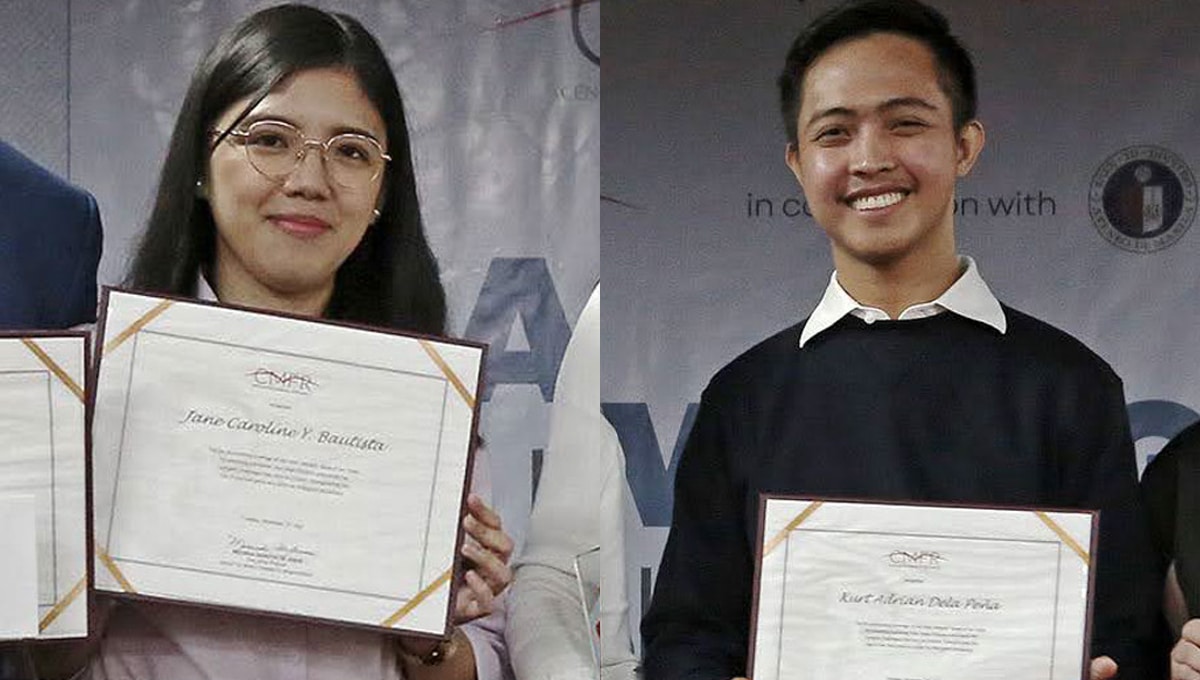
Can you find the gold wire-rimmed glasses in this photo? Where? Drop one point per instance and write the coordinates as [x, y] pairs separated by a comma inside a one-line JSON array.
[[275, 149]]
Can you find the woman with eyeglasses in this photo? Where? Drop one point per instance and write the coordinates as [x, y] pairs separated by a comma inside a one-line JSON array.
[[288, 186], [1171, 485]]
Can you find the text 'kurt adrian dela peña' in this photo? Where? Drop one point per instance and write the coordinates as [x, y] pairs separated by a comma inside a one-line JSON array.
[[930, 601], [276, 429]]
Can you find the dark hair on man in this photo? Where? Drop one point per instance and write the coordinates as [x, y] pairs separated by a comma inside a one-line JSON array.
[[391, 279], [860, 18]]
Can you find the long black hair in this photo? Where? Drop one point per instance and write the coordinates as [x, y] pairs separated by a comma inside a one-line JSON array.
[[391, 279]]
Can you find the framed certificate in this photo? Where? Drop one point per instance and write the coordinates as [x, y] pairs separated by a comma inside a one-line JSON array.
[[878, 591], [283, 465], [43, 486]]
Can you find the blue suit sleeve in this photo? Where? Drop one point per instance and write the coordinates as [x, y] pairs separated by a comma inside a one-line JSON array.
[[79, 301]]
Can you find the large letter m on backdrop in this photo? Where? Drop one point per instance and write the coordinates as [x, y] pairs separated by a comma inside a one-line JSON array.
[[650, 481]]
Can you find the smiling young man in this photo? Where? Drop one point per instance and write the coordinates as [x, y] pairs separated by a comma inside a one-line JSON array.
[[909, 380]]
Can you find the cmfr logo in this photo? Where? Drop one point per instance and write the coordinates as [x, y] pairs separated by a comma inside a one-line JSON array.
[[923, 559], [585, 26], [282, 381], [1142, 199]]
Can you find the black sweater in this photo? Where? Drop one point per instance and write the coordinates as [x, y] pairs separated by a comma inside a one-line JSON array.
[[940, 409]]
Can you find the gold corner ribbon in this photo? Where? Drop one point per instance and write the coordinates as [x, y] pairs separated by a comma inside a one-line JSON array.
[[57, 370], [791, 526], [115, 570], [417, 599], [1066, 538], [448, 372], [61, 606], [136, 326]]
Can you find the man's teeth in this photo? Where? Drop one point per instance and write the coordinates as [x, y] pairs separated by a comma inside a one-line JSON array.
[[878, 201]]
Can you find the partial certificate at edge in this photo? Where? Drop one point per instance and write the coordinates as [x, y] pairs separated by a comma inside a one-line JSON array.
[[43, 493], [878, 591], [283, 465]]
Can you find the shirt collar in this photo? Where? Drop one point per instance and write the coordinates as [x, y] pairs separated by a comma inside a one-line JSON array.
[[204, 291], [969, 297]]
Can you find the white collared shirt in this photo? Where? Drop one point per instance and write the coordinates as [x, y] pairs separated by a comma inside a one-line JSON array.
[[969, 297], [204, 291]]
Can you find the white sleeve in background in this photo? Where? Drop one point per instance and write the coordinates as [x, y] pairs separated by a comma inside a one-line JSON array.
[[579, 506], [487, 634]]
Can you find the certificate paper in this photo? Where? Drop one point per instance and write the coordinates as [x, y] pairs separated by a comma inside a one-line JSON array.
[[42, 466], [879, 591], [271, 463], [18, 569]]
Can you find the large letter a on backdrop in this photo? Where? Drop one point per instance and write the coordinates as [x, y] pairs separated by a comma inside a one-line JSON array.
[[518, 295]]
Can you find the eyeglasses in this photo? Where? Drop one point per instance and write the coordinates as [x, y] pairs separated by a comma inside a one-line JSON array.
[[275, 149]]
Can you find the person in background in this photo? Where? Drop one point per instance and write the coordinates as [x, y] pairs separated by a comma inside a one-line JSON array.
[[1171, 486], [50, 240], [576, 531]]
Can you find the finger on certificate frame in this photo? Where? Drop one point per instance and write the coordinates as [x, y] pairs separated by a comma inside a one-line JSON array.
[[477, 534], [1188, 653], [474, 600], [1185, 655], [494, 571], [473, 552], [479, 509], [1191, 631], [1103, 668], [466, 608], [492, 539], [480, 589], [1182, 672], [504, 546]]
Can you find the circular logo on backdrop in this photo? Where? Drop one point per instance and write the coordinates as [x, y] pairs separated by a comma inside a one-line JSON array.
[[1142, 198], [586, 31]]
